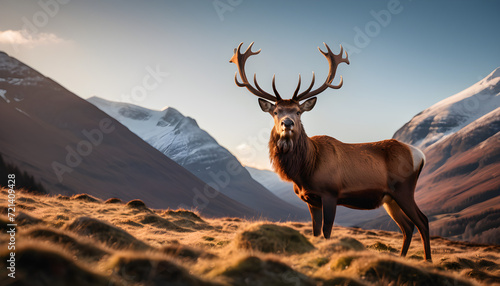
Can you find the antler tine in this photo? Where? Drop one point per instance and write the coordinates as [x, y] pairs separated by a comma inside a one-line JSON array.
[[239, 59], [296, 89], [278, 97], [333, 61], [295, 96]]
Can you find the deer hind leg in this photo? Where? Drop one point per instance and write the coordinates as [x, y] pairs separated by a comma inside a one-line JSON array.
[[317, 219], [402, 221], [411, 210]]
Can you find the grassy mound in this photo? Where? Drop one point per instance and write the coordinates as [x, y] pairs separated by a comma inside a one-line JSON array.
[[24, 219], [137, 204], [37, 265], [389, 271], [273, 238], [186, 252], [85, 198], [151, 271], [181, 213], [113, 201], [84, 249], [382, 247], [110, 235], [345, 244], [163, 223], [252, 270]]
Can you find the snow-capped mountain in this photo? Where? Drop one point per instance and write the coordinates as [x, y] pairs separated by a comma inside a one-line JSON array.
[[70, 146], [181, 139], [177, 136], [459, 187], [453, 113]]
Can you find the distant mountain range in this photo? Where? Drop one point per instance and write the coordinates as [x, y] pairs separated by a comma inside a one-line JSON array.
[[70, 146], [181, 139], [459, 188]]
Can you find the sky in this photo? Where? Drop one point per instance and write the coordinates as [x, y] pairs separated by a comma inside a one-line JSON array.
[[404, 56]]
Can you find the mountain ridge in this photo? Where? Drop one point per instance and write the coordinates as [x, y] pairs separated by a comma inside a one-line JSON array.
[[181, 139]]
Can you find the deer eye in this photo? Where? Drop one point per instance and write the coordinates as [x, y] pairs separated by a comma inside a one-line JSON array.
[[275, 113], [298, 112]]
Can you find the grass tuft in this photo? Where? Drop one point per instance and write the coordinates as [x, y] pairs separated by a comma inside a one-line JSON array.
[[113, 201], [252, 270], [84, 249], [390, 271], [39, 265], [379, 246], [85, 198], [110, 235], [186, 252], [272, 238], [159, 222], [182, 213], [151, 271]]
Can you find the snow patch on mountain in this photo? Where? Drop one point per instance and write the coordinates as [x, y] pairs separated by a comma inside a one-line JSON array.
[[2, 95], [448, 116], [16, 73], [175, 135]]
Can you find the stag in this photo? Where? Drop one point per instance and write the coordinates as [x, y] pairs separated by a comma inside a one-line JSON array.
[[327, 172]]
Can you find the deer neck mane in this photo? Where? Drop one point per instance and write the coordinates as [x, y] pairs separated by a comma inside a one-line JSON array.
[[292, 158]]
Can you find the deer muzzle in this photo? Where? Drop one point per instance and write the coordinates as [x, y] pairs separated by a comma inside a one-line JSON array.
[[287, 126]]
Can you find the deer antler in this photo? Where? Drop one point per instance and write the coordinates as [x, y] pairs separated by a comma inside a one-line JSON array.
[[333, 61], [239, 59]]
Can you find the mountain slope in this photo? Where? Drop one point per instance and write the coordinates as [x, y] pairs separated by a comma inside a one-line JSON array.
[[453, 113], [459, 186], [70, 146], [181, 139]]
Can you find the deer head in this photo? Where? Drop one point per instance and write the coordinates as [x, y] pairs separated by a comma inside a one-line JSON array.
[[287, 112]]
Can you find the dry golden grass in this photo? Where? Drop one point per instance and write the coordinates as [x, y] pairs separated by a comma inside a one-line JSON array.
[[82, 240]]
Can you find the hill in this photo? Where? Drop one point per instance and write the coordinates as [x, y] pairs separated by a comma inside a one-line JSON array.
[[70, 146], [82, 240]]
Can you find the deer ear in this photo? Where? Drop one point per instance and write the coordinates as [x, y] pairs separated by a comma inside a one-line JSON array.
[[308, 104], [265, 105]]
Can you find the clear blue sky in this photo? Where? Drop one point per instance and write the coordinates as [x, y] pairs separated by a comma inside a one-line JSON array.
[[425, 51]]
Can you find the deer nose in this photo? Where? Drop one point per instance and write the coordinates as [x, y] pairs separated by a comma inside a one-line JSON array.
[[287, 123]]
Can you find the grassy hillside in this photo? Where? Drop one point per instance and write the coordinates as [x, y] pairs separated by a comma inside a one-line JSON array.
[[84, 241]]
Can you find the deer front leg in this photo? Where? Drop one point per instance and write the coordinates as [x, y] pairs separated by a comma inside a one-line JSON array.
[[317, 217], [329, 209]]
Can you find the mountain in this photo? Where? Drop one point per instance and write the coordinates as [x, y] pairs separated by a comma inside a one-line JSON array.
[[70, 146], [459, 188], [453, 113], [181, 139]]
